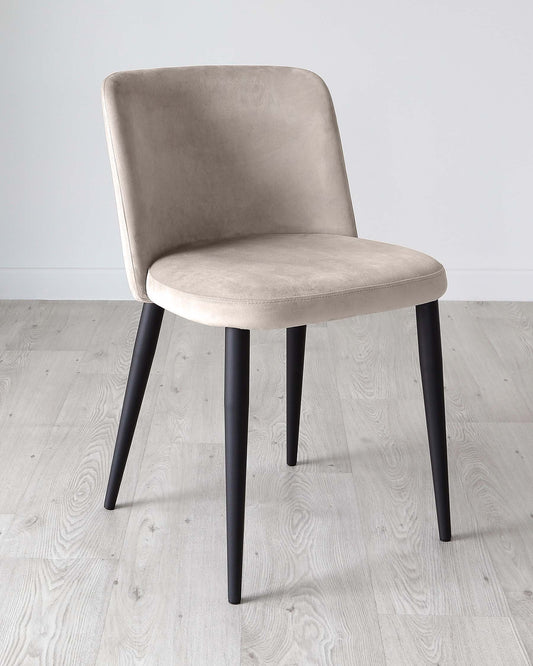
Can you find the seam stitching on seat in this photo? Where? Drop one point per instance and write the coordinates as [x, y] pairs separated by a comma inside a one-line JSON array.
[[235, 301]]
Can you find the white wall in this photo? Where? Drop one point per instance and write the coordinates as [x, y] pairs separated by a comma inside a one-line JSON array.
[[434, 100]]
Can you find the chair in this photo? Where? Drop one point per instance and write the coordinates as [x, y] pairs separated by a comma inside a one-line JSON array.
[[235, 211]]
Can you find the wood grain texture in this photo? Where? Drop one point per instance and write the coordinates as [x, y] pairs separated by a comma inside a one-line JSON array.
[[412, 640], [413, 572], [495, 462], [16, 471], [52, 611], [52, 325], [322, 445], [478, 378], [169, 603], [307, 592], [48, 373], [192, 383], [342, 560], [60, 513]]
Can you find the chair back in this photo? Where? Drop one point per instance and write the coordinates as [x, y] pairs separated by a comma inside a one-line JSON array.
[[207, 153]]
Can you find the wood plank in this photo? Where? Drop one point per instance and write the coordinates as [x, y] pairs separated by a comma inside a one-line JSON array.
[[192, 383], [307, 592], [412, 571], [391, 472], [411, 640], [510, 331], [495, 462], [477, 379], [21, 447], [110, 347], [322, 444], [376, 356], [34, 385], [52, 611], [169, 605], [52, 325], [60, 515], [13, 317]]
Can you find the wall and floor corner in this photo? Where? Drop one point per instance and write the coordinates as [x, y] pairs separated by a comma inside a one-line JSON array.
[[434, 105]]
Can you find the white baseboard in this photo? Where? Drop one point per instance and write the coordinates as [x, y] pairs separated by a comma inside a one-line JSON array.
[[111, 284]]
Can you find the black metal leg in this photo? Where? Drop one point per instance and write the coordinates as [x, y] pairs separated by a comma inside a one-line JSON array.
[[141, 362], [236, 400], [295, 372], [429, 347]]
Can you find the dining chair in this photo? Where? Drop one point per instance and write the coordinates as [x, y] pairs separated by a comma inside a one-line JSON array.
[[235, 211]]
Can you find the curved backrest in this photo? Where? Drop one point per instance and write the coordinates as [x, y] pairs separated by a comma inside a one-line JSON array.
[[205, 153]]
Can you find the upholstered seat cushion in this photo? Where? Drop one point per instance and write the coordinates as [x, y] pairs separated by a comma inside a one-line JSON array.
[[282, 280]]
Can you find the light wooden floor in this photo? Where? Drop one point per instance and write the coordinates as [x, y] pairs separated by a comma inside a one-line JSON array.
[[342, 560]]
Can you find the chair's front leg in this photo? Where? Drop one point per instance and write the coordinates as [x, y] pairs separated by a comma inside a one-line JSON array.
[[236, 401], [295, 371], [429, 347], [141, 362]]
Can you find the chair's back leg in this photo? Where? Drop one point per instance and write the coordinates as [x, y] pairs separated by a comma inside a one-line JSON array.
[[236, 402], [141, 362], [429, 347], [295, 371]]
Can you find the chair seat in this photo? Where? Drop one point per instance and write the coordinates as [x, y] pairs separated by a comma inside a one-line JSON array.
[[282, 280]]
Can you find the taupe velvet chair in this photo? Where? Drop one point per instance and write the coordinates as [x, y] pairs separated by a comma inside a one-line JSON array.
[[235, 211]]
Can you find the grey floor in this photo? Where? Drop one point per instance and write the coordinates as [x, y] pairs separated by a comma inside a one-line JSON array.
[[342, 560]]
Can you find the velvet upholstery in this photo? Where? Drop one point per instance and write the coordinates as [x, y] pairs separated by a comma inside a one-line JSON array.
[[281, 280], [234, 205], [203, 153]]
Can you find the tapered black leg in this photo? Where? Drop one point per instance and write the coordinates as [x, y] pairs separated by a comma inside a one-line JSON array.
[[141, 362], [295, 372], [236, 399], [429, 347]]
